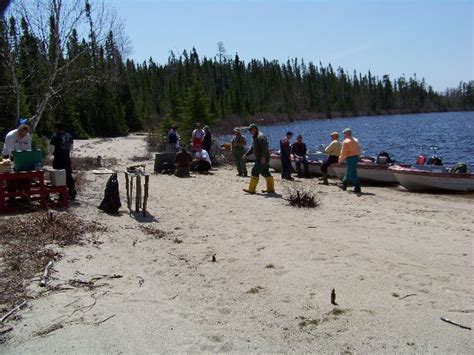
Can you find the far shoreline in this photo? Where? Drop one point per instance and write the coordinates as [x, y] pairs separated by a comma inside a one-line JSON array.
[[267, 119]]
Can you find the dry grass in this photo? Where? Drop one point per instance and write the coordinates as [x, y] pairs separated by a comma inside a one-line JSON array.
[[28, 244], [302, 198]]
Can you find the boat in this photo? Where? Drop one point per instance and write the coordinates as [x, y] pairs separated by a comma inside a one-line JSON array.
[[275, 162], [432, 178], [315, 160], [369, 172]]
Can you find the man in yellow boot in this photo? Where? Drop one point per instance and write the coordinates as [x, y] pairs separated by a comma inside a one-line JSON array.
[[262, 161]]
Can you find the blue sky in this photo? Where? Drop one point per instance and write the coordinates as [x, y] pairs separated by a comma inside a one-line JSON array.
[[431, 38]]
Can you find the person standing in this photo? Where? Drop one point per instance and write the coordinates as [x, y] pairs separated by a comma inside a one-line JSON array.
[[350, 153], [262, 161], [197, 137], [17, 139], [299, 153], [207, 140], [62, 143], [172, 139], [285, 156], [238, 150], [333, 150]]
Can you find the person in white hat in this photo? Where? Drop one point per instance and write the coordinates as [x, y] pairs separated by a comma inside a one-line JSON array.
[[333, 150]]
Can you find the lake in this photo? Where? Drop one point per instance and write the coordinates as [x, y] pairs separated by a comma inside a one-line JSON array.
[[449, 135]]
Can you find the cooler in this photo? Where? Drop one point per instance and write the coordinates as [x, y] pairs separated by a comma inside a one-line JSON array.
[[27, 160]]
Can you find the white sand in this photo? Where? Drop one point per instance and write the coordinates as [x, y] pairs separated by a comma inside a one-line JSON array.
[[368, 248]]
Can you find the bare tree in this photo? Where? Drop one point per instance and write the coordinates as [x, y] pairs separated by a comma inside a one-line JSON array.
[[53, 22]]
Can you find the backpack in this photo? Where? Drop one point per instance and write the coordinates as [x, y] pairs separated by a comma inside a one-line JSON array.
[[460, 168], [111, 202], [172, 137]]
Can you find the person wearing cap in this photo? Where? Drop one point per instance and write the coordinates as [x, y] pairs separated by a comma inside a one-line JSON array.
[[350, 153], [299, 153], [262, 161], [285, 156], [17, 139], [207, 140], [333, 150], [238, 150], [197, 137]]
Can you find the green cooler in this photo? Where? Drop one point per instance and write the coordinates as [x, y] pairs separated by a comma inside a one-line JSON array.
[[27, 160]]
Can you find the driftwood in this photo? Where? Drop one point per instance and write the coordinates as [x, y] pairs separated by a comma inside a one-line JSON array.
[[44, 278], [456, 324], [411, 294], [9, 313]]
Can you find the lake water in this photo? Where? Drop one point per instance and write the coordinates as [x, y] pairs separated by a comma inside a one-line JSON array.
[[449, 135]]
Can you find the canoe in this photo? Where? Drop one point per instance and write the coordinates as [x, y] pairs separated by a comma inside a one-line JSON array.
[[369, 172], [432, 178]]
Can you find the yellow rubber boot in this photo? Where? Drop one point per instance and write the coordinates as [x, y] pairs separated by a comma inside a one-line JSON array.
[[252, 185], [270, 185]]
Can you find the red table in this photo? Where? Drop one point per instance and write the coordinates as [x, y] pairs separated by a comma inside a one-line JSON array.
[[34, 186]]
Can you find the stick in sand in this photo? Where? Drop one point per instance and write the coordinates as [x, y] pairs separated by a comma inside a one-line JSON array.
[[44, 278], [454, 323], [9, 313]]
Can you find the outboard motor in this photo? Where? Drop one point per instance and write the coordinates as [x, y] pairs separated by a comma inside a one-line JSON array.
[[384, 158]]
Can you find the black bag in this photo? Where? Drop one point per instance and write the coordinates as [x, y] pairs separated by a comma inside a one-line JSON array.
[[111, 202], [434, 160]]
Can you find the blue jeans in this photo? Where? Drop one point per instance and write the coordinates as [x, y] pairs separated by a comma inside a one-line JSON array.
[[351, 171]]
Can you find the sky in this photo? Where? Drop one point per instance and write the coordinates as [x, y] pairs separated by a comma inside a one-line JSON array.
[[430, 38]]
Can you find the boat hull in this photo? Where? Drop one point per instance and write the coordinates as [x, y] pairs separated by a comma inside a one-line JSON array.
[[369, 172], [414, 179], [315, 168]]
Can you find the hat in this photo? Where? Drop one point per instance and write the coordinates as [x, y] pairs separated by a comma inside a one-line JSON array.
[[237, 129], [347, 130], [252, 125], [289, 133], [206, 128], [335, 134]]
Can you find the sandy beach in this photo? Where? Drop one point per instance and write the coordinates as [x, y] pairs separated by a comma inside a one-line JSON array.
[[398, 261]]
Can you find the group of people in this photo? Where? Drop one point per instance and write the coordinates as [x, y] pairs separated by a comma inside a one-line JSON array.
[[199, 160], [347, 152], [61, 145]]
